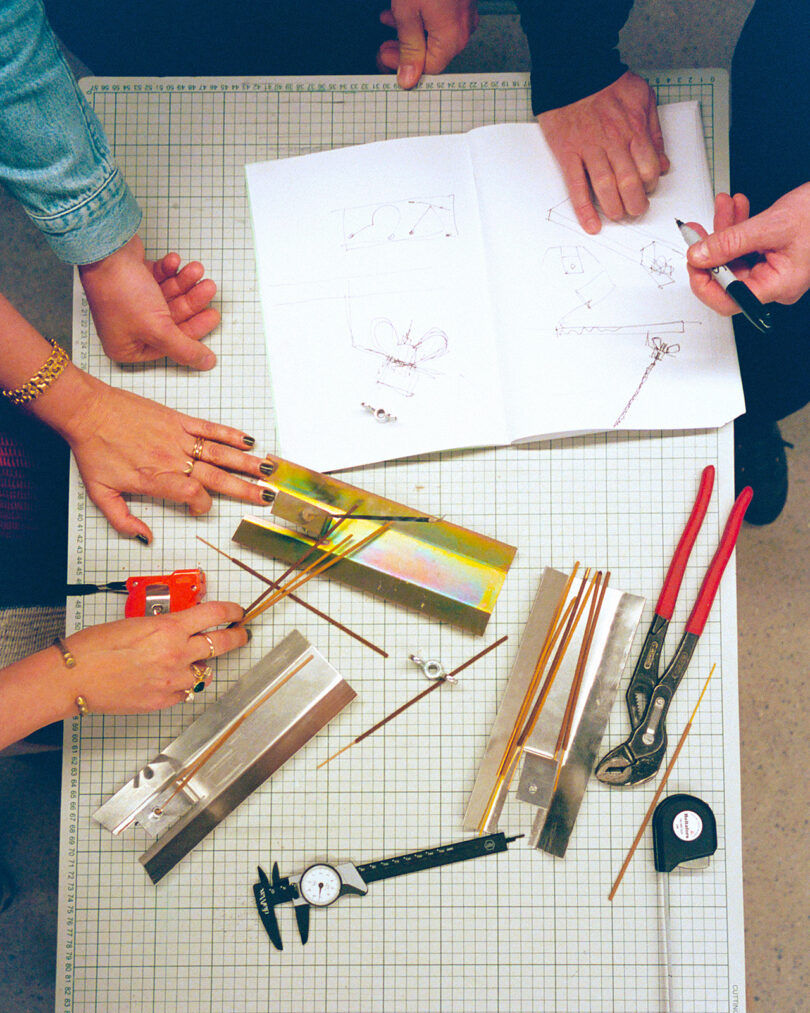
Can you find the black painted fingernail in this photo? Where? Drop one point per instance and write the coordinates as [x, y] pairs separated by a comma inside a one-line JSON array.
[[249, 633], [266, 469], [142, 539], [268, 495], [248, 441]]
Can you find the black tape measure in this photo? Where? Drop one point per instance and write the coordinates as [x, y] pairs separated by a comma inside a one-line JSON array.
[[684, 833]]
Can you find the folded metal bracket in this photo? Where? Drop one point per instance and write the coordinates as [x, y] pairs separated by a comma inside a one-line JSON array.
[[440, 570], [610, 647], [274, 709]]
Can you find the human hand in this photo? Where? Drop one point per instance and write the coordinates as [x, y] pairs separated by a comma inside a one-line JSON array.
[[145, 310], [429, 34], [780, 236], [610, 149], [137, 665], [124, 443]]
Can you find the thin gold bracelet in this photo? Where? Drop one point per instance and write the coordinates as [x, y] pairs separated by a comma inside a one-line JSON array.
[[67, 657], [70, 662], [40, 381]]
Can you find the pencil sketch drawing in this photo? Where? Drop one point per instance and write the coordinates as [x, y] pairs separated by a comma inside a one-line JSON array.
[[654, 255], [403, 352], [576, 271], [660, 349], [399, 221]]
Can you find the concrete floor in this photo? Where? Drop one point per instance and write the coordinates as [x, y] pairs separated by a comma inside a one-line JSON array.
[[774, 639]]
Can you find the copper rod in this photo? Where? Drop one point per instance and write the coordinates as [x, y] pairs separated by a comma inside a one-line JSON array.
[[317, 568], [183, 778], [309, 549], [567, 724], [555, 627], [409, 703], [582, 661], [579, 607], [552, 633], [658, 791], [293, 597], [505, 779], [301, 577]]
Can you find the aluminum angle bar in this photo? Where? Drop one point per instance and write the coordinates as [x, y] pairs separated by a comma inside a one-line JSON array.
[[610, 648], [613, 637], [267, 717]]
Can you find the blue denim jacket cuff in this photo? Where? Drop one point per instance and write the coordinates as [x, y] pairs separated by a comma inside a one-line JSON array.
[[96, 227]]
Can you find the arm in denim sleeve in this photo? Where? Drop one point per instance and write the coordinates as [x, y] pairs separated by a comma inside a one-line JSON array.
[[573, 45], [54, 155]]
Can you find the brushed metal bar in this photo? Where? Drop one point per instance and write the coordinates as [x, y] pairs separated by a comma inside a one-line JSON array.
[[262, 738], [552, 584], [610, 648], [612, 640]]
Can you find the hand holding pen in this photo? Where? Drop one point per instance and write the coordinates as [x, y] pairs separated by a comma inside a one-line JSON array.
[[779, 237]]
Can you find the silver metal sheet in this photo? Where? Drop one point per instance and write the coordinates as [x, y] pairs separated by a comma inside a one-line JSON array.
[[260, 743], [612, 640], [552, 584]]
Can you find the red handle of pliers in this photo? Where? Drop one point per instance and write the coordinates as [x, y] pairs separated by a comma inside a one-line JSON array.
[[672, 581], [711, 582]]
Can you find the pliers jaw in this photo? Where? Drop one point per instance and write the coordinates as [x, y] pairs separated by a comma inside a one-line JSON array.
[[620, 768], [638, 758], [649, 695]]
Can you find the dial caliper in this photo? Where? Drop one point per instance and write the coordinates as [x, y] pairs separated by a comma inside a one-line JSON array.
[[322, 884]]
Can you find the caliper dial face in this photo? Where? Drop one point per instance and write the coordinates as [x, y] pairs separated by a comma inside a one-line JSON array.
[[320, 885]]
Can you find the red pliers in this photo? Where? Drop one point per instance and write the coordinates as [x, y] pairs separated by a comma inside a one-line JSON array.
[[649, 695]]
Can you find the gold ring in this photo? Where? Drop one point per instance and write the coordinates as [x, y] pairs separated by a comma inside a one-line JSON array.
[[201, 673], [198, 448], [187, 467], [189, 696], [210, 642]]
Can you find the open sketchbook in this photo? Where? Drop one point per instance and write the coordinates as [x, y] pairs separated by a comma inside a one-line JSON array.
[[445, 280]]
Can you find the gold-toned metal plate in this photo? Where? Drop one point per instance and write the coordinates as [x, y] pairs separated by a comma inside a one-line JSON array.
[[437, 568]]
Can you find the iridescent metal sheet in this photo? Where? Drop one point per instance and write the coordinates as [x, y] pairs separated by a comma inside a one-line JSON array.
[[437, 568]]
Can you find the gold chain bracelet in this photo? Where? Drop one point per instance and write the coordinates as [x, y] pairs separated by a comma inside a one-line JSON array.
[[40, 381]]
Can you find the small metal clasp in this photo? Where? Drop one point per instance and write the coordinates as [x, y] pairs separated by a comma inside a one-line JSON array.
[[380, 414], [431, 669]]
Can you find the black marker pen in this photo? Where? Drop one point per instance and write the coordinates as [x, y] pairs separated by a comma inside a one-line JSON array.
[[742, 295]]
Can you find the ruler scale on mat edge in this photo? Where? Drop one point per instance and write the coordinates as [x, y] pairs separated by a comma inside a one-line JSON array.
[[543, 913]]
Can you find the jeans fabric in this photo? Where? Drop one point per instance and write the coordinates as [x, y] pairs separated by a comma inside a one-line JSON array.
[[54, 155]]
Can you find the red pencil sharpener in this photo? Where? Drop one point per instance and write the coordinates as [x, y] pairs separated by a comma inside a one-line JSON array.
[[152, 596]]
